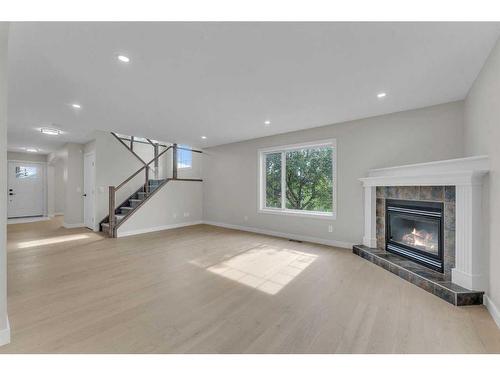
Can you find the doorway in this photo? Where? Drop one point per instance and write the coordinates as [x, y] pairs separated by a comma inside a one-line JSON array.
[[89, 190], [26, 190]]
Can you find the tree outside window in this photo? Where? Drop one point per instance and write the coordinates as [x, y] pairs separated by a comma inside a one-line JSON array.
[[299, 179]]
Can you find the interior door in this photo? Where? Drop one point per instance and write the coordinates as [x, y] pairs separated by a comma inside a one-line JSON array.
[[88, 189], [26, 191]]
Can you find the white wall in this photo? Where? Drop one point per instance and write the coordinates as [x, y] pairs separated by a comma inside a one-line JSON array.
[[59, 185], [55, 184], [179, 203], [73, 204], [230, 171], [144, 151], [4, 325], [67, 185], [51, 197], [482, 136], [58, 162]]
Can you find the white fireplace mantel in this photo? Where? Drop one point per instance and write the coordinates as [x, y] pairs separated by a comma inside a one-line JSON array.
[[466, 174]]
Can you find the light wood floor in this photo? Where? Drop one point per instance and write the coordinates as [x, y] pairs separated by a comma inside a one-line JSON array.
[[204, 289]]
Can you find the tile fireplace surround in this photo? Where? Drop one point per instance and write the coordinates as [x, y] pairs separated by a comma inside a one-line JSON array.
[[458, 184]]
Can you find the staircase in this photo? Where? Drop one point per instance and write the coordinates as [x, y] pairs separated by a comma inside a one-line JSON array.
[[118, 214], [132, 203]]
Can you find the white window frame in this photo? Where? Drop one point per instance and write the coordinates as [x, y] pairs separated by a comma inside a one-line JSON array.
[[261, 153]]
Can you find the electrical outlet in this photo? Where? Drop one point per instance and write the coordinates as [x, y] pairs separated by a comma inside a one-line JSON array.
[[330, 228]]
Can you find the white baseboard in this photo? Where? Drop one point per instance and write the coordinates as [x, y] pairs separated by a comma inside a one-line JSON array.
[[5, 334], [22, 220], [70, 226], [156, 229], [493, 309], [58, 213], [322, 241]]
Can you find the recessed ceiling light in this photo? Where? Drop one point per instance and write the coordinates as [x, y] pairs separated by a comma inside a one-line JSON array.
[[123, 58], [267, 122], [49, 131], [31, 150], [76, 105], [203, 137], [381, 95]]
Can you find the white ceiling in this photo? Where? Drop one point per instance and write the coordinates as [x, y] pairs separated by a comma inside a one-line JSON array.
[[223, 80]]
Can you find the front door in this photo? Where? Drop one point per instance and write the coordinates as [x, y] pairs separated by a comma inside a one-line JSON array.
[[26, 192]]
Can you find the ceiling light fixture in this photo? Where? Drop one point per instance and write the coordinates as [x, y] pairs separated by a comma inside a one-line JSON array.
[[203, 137], [123, 58], [49, 131], [76, 105], [31, 150], [267, 122], [381, 95]]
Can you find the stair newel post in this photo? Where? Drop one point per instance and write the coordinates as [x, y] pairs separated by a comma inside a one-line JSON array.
[[174, 161], [156, 160], [146, 185], [112, 219]]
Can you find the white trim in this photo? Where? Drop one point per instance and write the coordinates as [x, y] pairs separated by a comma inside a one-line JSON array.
[[261, 207], [5, 333], [27, 161], [58, 213], [493, 309], [321, 241], [308, 214], [455, 178], [480, 162], [323, 142], [22, 220], [77, 225], [156, 229]]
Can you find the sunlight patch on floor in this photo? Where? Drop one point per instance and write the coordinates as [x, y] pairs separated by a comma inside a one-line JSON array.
[[52, 240], [266, 269]]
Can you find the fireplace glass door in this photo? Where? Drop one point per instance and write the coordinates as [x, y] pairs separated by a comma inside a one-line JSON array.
[[419, 232], [415, 231]]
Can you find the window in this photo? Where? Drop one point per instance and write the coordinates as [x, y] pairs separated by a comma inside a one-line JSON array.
[[26, 172], [184, 157], [298, 179]]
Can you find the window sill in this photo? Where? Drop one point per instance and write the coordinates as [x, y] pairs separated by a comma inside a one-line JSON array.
[[310, 215]]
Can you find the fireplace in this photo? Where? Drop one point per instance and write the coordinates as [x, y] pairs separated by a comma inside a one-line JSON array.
[[414, 229]]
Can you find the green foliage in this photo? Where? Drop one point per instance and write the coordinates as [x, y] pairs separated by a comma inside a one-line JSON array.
[[308, 178], [273, 180]]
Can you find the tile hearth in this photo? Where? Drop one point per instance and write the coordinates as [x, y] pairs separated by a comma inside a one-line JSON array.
[[434, 282]]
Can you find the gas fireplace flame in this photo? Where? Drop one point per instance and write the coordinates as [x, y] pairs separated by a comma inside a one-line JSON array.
[[421, 239]]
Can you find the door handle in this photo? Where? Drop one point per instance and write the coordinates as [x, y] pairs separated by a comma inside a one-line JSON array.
[[84, 195], [12, 194]]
